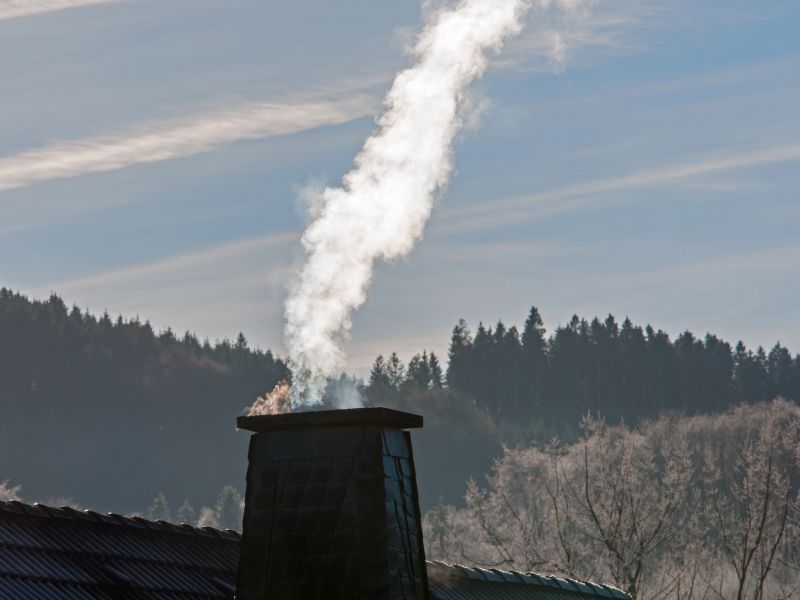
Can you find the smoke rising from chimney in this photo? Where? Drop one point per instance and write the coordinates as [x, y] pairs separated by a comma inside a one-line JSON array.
[[381, 208]]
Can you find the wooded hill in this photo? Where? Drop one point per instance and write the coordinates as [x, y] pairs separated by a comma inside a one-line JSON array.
[[111, 413], [618, 371]]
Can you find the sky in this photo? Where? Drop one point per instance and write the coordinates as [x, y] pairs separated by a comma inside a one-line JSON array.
[[639, 158]]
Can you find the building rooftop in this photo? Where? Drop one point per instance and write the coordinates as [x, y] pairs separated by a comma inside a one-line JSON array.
[[63, 553]]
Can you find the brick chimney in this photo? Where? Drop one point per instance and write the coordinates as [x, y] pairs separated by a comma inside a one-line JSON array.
[[331, 508]]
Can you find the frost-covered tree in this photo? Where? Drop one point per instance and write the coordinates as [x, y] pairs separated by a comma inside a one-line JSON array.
[[751, 507], [159, 510], [680, 508], [9, 492], [186, 513], [229, 508]]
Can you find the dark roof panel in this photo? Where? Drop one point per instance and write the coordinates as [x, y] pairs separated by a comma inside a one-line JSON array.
[[64, 554]]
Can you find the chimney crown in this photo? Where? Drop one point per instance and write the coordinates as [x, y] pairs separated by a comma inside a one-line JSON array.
[[379, 416]]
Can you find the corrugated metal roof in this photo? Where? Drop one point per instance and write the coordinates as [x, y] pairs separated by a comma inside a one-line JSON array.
[[64, 554], [456, 582]]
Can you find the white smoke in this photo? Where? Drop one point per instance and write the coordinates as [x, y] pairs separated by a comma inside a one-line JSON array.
[[381, 208]]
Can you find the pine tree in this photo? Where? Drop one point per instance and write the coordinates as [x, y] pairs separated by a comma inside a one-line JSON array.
[[459, 364], [780, 367], [241, 343], [395, 371], [419, 374], [379, 375], [435, 369], [159, 510], [534, 352]]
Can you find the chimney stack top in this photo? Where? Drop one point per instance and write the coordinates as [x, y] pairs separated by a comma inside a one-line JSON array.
[[382, 417]]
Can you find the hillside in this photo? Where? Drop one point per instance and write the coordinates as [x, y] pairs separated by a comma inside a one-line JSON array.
[[108, 413]]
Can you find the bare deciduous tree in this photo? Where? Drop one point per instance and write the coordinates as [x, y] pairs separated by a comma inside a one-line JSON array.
[[682, 508]]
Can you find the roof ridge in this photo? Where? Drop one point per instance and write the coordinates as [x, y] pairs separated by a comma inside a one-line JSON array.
[[67, 512], [531, 578]]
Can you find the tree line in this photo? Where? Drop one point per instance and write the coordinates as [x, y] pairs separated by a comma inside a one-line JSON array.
[[618, 370], [109, 411]]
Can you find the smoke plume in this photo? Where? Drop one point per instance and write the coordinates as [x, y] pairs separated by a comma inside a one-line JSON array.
[[381, 208]]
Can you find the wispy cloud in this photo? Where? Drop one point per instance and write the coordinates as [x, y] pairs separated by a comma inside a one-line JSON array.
[[216, 291], [163, 141], [187, 263], [580, 196], [12, 9]]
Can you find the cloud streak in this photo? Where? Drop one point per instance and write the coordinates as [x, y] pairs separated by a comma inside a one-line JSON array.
[[13, 9], [165, 141], [584, 195], [216, 291]]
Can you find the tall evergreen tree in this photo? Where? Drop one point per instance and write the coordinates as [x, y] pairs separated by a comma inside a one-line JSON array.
[[779, 367], [534, 359], [379, 375], [459, 358], [395, 371], [437, 376], [418, 375]]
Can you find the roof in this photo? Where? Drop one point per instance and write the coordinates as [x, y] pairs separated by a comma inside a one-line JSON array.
[[456, 582], [66, 554], [63, 553]]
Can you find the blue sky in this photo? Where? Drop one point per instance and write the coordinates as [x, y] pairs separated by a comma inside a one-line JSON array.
[[152, 154]]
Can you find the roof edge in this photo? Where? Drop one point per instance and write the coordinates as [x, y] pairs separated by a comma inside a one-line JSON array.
[[564, 584], [16, 507]]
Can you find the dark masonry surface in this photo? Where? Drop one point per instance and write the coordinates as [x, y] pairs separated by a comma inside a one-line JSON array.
[[331, 508]]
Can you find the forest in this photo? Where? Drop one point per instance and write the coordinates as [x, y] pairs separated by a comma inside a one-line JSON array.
[[107, 413], [618, 371]]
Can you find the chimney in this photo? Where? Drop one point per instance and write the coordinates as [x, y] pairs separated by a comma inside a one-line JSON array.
[[331, 508]]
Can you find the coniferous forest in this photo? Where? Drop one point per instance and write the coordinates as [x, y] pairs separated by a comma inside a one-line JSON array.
[[618, 370], [108, 413]]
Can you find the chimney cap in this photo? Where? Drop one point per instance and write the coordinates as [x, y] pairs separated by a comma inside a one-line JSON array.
[[383, 417]]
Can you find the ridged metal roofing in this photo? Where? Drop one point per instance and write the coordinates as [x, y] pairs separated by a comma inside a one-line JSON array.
[[65, 554], [62, 553], [456, 582]]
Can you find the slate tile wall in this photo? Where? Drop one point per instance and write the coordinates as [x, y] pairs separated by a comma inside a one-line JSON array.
[[332, 513]]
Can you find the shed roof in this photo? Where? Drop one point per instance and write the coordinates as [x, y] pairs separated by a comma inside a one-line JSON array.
[[66, 554]]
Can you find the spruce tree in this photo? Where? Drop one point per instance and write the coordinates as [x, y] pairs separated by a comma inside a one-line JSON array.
[[395, 371], [418, 375], [378, 375], [435, 369], [459, 358], [534, 352]]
